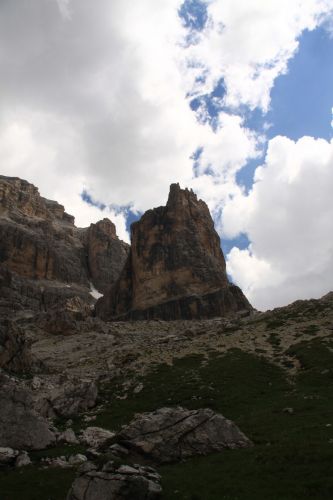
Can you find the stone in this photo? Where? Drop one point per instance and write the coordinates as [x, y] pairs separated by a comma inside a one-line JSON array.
[[77, 459], [87, 467], [173, 434], [68, 398], [7, 455], [68, 436], [288, 410], [96, 436], [118, 450], [23, 460], [102, 485], [127, 469], [21, 427], [60, 462], [175, 268]]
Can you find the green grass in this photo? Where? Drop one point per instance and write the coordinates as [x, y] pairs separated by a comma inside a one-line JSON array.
[[32, 483], [293, 454], [292, 457]]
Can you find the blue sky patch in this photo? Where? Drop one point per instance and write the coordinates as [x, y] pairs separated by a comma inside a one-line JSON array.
[[193, 14], [302, 99]]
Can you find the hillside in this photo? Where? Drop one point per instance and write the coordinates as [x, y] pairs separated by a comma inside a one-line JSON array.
[[227, 407]]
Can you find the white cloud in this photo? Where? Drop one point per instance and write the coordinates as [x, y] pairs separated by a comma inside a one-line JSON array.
[[94, 97], [249, 44], [98, 93], [288, 217]]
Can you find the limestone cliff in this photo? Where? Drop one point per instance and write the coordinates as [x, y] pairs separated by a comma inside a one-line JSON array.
[[175, 269], [44, 257], [106, 254]]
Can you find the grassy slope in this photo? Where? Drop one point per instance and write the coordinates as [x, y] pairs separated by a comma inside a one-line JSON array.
[[292, 457]]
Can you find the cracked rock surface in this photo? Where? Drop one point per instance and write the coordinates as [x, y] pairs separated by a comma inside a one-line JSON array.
[[123, 483], [172, 434]]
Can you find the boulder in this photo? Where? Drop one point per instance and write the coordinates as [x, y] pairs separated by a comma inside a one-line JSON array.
[[173, 434], [77, 459], [68, 436], [123, 483], [175, 268], [7, 455], [21, 427], [65, 397], [96, 436], [22, 460]]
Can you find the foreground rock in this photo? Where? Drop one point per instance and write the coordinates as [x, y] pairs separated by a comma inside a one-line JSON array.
[[21, 427], [172, 434], [7, 455], [63, 396], [175, 269], [122, 483], [96, 436]]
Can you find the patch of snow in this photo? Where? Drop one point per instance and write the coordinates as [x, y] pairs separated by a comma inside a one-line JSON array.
[[95, 293]]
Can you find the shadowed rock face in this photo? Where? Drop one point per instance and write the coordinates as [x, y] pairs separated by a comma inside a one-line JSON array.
[[175, 269], [106, 254], [40, 246], [21, 426]]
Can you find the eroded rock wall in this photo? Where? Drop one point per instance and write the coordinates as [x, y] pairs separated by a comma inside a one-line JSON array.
[[175, 269]]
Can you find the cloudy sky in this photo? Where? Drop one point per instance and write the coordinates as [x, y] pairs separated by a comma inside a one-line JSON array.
[[104, 103]]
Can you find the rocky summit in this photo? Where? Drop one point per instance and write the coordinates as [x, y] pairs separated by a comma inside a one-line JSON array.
[[175, 268]]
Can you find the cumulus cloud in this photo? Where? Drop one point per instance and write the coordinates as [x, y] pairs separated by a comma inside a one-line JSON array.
[[288, 217], [98, 91], [95, 97], [249, 44]]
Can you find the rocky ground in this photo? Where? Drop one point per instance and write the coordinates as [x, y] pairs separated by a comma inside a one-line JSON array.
[[109, 349], [269, 372]]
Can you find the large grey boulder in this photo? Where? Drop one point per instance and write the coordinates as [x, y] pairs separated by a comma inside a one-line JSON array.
[[172, 434], [64, 396], [123, 483], [21, 427]]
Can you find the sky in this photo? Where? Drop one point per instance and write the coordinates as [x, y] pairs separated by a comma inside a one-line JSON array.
[[104, 104]]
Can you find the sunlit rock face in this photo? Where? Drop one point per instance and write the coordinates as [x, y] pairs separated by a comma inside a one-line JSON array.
[[175, 269]]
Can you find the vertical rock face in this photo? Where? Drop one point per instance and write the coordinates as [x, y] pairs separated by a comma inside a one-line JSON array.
[[176, 268], [39, 243], [106, 254]]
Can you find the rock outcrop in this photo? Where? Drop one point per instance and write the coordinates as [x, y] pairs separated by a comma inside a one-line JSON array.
[[21, 426], [175, 269], [44, 258], [62, 396], [106, 254], [121, 483], [172, 434]]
